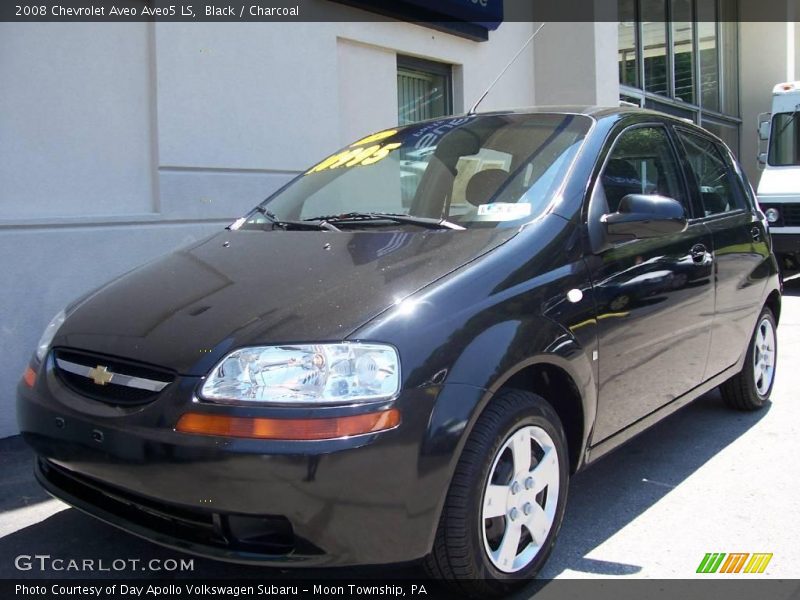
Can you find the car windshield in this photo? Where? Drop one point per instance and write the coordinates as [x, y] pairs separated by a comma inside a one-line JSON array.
[[466, 172], [784, 143]]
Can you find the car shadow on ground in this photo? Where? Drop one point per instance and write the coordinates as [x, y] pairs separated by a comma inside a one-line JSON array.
[[603, 500], [623, 485]]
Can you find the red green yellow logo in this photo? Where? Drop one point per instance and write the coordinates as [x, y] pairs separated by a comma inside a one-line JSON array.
[[735, 562]]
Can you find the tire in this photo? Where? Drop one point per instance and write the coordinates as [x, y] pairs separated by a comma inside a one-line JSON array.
[[750, 388], [468, 551]]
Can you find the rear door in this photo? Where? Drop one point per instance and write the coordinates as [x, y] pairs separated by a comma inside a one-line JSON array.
[[740, 244], [654, 297]]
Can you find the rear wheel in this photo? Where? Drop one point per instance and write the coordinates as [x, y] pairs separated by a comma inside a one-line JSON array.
[[506, 501], [751, 387]]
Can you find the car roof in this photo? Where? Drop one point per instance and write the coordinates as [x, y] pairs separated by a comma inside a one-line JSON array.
[[597, 112], [603, 112]]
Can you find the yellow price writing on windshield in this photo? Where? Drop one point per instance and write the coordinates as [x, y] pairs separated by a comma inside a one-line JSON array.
[[375, 137], [356, 156]]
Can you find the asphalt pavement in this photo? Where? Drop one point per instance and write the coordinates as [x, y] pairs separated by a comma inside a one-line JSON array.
[[706, 479]]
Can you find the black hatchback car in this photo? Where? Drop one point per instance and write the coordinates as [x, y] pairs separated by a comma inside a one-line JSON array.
[[406, 352]]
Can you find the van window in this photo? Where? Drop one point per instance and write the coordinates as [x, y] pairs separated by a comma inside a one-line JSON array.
[[711, 175], [784, 141]]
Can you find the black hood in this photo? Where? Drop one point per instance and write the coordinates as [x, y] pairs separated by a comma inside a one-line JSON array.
[[237, 288]]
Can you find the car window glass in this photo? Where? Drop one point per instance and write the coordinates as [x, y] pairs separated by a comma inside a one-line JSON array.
[[641, 162], [477, 171], [711, 174]]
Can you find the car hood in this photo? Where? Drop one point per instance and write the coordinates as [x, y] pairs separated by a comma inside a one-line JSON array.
[[188, 309]]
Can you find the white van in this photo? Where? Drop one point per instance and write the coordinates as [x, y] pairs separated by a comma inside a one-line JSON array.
[[779, 187]]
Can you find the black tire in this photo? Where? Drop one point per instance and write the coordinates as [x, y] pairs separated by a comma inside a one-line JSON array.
[[741, 392], [459, 556]]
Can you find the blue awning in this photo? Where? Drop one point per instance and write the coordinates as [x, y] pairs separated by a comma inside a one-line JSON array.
[[468, 18]]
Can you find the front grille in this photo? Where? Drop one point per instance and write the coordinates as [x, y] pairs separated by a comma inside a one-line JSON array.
[[132, 378], [791, 214]]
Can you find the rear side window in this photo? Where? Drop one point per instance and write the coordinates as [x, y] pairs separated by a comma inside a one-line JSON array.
[[641, 162], [711, 175]]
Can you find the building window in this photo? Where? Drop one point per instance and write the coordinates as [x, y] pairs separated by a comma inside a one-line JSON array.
[[654, 46], [424, 90], [683, 46], [628, 43], [681, 57]]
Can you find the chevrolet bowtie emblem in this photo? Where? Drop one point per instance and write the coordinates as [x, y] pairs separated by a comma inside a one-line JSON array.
[[100, 375]]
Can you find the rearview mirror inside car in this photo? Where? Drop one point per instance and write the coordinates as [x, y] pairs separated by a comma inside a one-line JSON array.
[[641, 216]]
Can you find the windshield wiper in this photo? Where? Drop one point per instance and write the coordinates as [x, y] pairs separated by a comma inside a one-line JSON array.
[[304, 224], [397, 218]]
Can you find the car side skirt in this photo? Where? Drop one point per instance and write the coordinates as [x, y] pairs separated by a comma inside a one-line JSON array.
[[599, 450]]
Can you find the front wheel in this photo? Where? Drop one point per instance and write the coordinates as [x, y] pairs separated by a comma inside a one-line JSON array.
[[750, 388], [507, 498]]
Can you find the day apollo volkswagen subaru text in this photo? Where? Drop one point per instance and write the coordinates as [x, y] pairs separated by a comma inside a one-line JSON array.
[[406, 352]]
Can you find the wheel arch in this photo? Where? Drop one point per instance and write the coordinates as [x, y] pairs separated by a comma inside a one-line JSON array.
[[559, 383], [553, 383], [773, 302]]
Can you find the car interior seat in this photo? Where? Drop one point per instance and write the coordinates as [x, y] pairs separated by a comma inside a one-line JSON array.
[[620, 179], [713, 203], [483, 185]]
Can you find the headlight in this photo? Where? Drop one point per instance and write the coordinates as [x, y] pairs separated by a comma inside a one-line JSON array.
[[306, 374], [773, 216], [48, 335]]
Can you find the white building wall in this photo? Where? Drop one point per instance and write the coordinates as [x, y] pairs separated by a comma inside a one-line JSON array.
[[69, 98], [577, 64]]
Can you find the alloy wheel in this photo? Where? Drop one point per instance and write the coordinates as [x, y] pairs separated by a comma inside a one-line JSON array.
[[764, 356], [520, 499]]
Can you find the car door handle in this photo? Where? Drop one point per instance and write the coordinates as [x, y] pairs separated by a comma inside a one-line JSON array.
[[698, 253], [756, 233]]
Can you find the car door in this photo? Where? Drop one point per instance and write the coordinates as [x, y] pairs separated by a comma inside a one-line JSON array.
[[740, 245], [654, 297]]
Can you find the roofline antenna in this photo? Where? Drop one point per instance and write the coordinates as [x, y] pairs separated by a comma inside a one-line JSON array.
[[503, 72]]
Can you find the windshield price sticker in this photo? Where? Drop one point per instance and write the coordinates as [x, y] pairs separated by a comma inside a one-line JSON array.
[[504, 211]]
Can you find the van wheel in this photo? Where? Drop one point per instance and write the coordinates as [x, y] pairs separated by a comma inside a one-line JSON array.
[[751, 387], [506, 501]]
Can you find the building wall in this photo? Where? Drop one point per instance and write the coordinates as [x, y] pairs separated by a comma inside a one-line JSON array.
[[121, 142], [588, 73]]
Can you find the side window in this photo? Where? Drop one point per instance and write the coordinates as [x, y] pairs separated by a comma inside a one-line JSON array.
[[641, 162], [711, 174]]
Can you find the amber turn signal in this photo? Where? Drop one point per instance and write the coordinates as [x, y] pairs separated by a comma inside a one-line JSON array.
[[288, 429], [29, 377]]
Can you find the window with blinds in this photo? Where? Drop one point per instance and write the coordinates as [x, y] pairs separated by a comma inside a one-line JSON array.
[[424, 90]]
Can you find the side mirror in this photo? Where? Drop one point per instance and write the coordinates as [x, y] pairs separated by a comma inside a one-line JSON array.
[[641, 216], [763, 126]]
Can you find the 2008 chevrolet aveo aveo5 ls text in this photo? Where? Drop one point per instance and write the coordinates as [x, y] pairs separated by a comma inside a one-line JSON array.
[[405, 352]]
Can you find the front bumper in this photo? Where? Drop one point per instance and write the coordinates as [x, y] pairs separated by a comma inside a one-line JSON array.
[[785, 243], [370, 499]]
